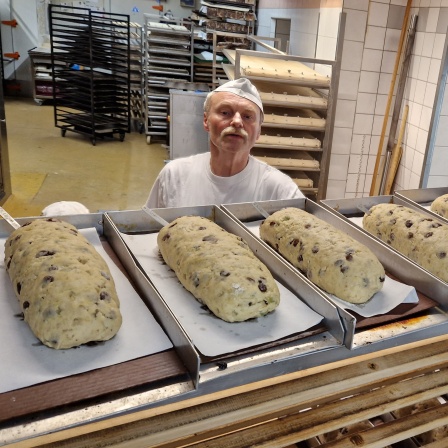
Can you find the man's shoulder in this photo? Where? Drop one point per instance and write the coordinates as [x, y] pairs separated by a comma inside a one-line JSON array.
[[185, 162]]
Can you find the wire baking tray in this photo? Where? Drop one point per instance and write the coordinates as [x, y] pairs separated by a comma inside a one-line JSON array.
[[281, 356], [422, 198], [392, 329]]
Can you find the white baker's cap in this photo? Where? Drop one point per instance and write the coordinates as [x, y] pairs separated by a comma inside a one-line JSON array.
[[243, 88]]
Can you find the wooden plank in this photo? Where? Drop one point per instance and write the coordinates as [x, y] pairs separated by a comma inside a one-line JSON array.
[[386, 433], [302, 180], [306, 161], [374, 382], [288, 142], [278, 69], [293, 428], [93, 384], [302, 119]]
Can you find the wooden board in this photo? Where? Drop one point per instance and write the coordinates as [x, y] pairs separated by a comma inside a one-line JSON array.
[[302, 180], [290, 142], [145, 371], [281, 69], [286, 95], [306, 161], [298, 119], [269, 413]]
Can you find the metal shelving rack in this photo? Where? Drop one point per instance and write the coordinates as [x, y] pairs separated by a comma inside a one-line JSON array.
[[167, 64], [137, 114], [228, 25], [90, 54], [299, 111]]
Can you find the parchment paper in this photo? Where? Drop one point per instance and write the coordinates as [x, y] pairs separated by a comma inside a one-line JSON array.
[[391, 295], [26, 362], [211, 335]]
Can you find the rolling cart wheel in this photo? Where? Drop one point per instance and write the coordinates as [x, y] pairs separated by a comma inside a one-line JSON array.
[[93, 140], [148, 139], [63, 131], [121, 137]]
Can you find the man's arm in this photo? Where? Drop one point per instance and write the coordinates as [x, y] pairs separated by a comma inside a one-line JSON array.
[[155, 199]]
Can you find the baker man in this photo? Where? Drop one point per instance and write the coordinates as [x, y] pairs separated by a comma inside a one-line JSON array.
[[233, 114]]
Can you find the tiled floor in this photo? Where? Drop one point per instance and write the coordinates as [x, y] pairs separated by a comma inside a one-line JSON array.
[[46, 167]]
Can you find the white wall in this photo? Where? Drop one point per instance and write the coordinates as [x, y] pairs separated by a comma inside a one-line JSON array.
[[370, 50]]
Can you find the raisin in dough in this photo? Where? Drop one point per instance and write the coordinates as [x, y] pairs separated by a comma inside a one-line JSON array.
[[331, 259], [64, 286], [414, 234], [440, 205], [218, 268]]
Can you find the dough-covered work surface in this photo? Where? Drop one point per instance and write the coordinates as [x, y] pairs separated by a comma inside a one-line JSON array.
[[211, 335], [29, 362]]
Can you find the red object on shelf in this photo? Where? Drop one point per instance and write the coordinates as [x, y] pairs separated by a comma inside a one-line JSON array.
[[12, 23], [16, 87], [158, 7], [14, 55]]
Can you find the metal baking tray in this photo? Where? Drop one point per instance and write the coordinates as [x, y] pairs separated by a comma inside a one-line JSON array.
[[390, 334], [275, 359], [81, 387], [401, 266], [422, 198]]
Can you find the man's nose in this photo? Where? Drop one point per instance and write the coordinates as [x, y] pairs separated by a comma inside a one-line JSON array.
[[237, 120]]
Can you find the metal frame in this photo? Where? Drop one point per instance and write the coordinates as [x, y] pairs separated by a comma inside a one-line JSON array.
[[90, 54], [318, 191]]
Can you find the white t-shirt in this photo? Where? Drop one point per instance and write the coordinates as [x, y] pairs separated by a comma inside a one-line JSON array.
[[189, 181]]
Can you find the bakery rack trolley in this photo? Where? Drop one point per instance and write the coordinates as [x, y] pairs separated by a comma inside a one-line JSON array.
[[90, 53], [167, 63], [137, 111]]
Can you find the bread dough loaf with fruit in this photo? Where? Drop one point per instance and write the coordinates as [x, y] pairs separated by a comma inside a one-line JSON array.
[[330, 258], [413, 234], [64, 286], [218, 268], [440, 205]]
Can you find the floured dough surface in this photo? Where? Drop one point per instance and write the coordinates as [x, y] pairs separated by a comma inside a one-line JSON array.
[[218, 268], [440, 205], [414, 234], [331, 259], [64, 286]]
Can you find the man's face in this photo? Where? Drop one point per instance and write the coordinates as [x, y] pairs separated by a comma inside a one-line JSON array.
[[232, 122]]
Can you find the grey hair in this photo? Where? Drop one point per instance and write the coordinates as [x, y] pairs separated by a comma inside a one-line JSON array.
[[207, 101]]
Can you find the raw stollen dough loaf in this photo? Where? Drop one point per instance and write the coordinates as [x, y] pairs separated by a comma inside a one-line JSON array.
[[414, 234], [440, 205], [64, 286], [218, 268], [331, 259]]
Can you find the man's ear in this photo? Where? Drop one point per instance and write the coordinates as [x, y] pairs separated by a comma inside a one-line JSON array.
[[205, 122]]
